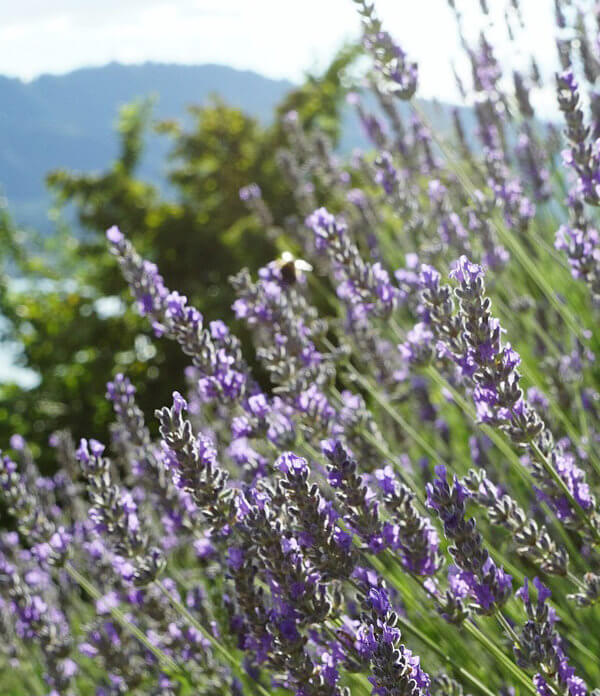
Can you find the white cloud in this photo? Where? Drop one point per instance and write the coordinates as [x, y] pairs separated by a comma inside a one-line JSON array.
[[279, 38]]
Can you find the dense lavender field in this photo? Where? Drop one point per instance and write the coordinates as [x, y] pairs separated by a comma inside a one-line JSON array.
[[404, 501]]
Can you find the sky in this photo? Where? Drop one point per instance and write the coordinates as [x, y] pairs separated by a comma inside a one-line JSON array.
[[277, 38]]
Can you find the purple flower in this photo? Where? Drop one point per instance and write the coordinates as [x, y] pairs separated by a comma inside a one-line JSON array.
[[17, 442], [464, 271], [291, 464], [235, 557], [204, 548], [218, 330], [258, 405], [114, 235], [250, 192], [489, 585], [429, 278], [418, 347], [179, 403], [342, 539], [379, 600], [386, 479], [89, 449]]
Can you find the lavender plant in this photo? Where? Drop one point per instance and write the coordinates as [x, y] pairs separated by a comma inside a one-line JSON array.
[[350, 507]]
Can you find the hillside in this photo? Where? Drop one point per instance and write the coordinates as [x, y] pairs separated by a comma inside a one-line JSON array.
[[68, 120]]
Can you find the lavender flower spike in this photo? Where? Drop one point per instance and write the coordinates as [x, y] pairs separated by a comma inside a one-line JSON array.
[[581, 243], [396, 671], [540, 646], [582, 156], [365, 287], [223, 371], [532, 539], [114, 515], [360, 513], [472, 337], [412, 535], [193, 461], [325, 544], [399, 75], [489, 585]]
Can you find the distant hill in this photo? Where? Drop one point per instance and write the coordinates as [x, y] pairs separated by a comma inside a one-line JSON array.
[[68, 121]]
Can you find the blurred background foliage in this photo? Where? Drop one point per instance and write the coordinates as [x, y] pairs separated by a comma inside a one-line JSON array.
[[63, 300]]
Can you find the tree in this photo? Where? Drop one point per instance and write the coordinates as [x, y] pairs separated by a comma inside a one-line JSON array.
[[77, 333]]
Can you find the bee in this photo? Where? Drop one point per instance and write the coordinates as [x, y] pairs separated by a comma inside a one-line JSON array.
[[291, 268]]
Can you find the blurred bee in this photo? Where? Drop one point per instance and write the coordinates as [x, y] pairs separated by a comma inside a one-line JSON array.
[[290, 267]]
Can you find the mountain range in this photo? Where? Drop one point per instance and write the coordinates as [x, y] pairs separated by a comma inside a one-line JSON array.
[[68, 121]]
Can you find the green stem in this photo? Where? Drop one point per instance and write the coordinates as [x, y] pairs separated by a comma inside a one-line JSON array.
[[516, 671], [502, 620]]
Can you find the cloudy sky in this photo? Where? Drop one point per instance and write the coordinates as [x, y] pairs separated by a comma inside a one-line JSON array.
[[278, 38]]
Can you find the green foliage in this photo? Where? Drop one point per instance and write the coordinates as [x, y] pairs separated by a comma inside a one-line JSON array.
[[77, 333]]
